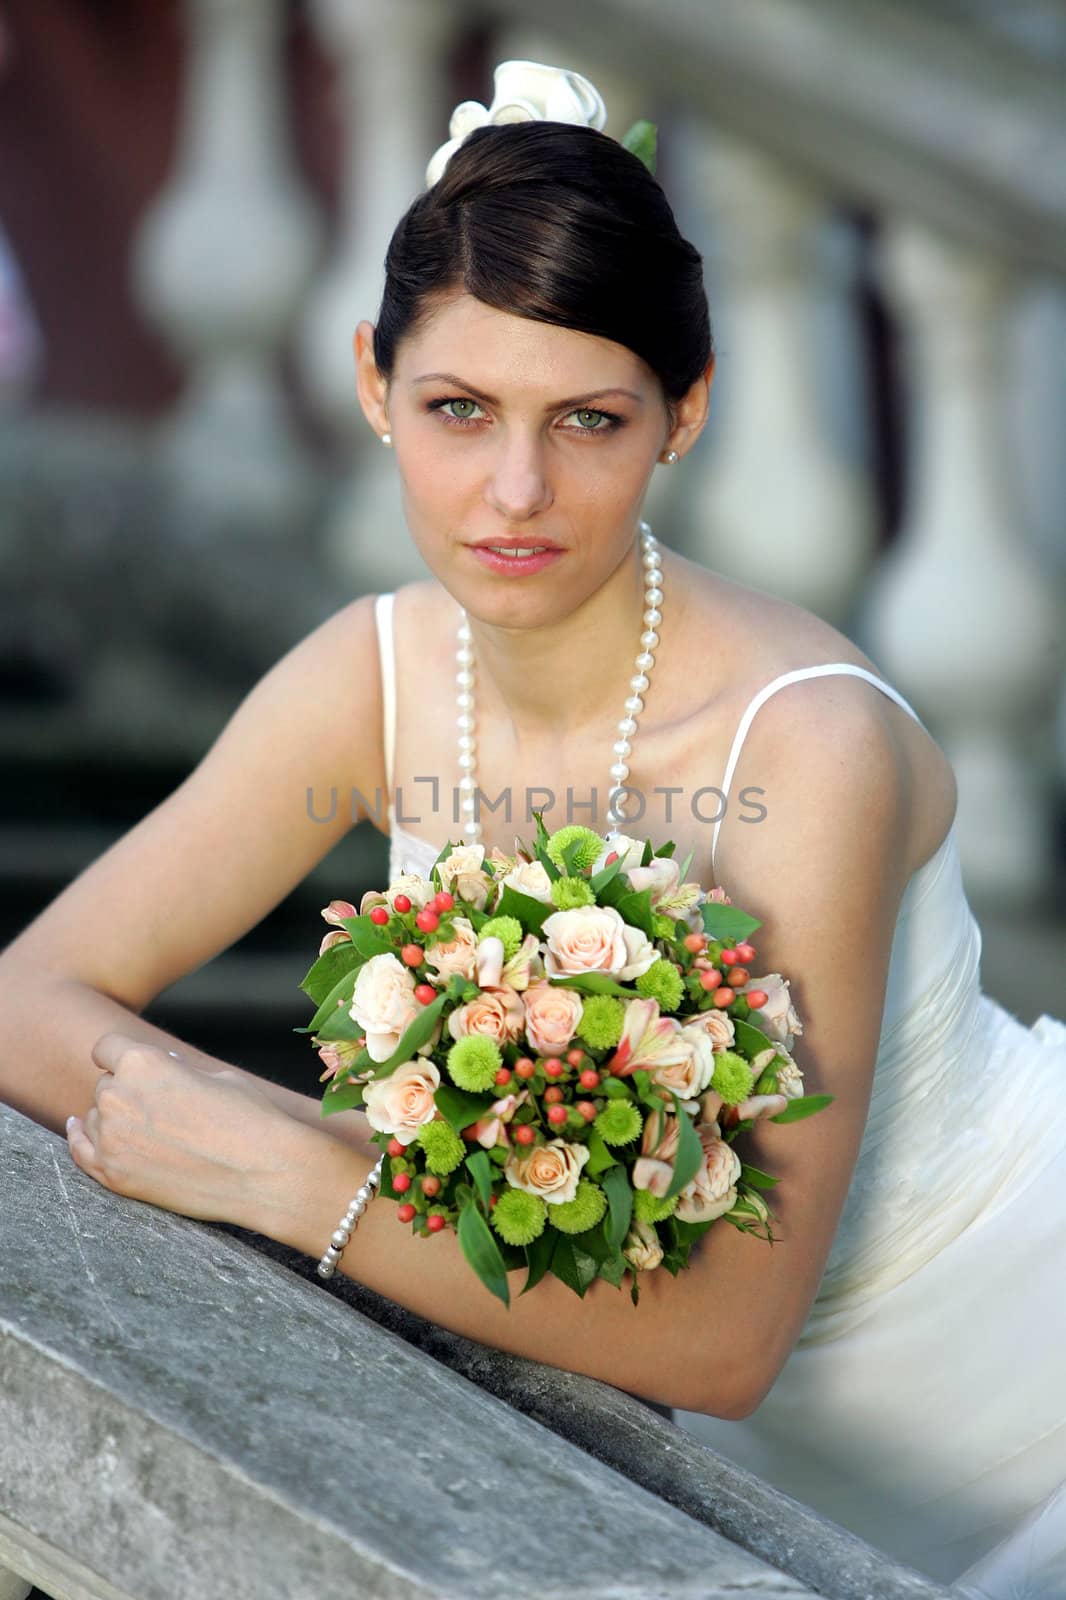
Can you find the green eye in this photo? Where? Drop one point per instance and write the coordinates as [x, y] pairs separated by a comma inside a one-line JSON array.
[[589, 419], [458, 411]]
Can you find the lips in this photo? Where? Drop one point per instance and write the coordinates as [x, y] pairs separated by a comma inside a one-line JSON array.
[[516, 544]]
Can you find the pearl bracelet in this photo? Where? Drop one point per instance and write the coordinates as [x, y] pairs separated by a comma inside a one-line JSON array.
[[350, 1220]]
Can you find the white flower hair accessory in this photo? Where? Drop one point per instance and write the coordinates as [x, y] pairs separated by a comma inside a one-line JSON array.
[[525, 91]]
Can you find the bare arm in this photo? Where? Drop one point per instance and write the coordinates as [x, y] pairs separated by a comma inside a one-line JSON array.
[[194, 875]]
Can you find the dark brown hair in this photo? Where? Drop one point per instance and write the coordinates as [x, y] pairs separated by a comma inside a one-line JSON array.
[[559, 224]]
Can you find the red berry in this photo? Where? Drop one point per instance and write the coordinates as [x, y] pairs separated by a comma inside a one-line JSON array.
[[443, 900], [553, 1094], [737, 977], [425, 993], [575, 1057], [746, 951], [728, 957], [492, 1200], [589, 1079], [405, 1212], [710, 978], [430, 1185], [427, 920], [524, 1133], [694, 942], [412, 955], [395, 1148], [401, 902], [756, 998], [557, 1114], [379, 915], [587, 1109], [503, 1076], [524, 1068], [402, 1182], [553, 1067], [436, 1222], [724, 996]]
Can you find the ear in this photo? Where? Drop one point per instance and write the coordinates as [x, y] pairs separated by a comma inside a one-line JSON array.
[[371, 385], [690, 413]]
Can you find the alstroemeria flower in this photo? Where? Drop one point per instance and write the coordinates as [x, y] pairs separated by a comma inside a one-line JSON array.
[[648, 1040]]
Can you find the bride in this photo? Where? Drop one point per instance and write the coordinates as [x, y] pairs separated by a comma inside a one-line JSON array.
[[543, 345]]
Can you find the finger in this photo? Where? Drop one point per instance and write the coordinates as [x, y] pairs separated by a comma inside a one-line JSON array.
[[81, 1148]]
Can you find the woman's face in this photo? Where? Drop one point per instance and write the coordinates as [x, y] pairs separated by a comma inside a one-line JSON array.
[[506, 429]]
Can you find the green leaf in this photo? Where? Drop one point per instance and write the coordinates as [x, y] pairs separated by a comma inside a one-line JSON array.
[[614, 1268], [757, 1178], [642, 139], [343, 1099], [419, 1030], [804, 1106], [538, 1257], [689, 1152], [619, 1191], [327, 972], [530, 912], [635, 908], [328, 1008], [459, 1108], [600, 1157], [750, 1040], [727, 923], [481, 1251], [479, 1167], [592, 983], [601, 880], [572, 1264], [368, 938]]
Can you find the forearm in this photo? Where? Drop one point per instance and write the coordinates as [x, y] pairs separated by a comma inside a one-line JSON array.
[[49, 1025], [656, 1349]]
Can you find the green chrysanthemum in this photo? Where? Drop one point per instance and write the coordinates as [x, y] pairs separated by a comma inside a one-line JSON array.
[[442, 1145], [664, 927], [602, 1020], [519, 1217], [507, 929], [618, 1122], [580, 1213], [590, 846], [732, 1077], [662, 982], [569, 893], [474, 1062], [647, 1207]]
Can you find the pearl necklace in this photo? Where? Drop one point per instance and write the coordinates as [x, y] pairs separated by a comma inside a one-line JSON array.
[[627, 727]]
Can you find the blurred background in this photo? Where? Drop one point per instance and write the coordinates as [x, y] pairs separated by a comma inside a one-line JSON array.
[[195, 198]]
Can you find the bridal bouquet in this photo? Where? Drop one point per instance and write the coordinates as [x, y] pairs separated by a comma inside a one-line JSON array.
[[557, 1051]]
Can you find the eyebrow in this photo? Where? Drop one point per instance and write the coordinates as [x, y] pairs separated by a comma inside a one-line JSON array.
[[491, 400]]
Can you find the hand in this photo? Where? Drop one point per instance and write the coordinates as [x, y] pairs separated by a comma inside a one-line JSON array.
[[202, 1143]]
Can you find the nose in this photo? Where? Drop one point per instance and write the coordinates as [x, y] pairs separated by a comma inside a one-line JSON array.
[[518, 486]]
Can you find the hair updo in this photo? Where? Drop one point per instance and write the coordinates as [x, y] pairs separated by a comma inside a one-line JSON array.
[[560, 224]]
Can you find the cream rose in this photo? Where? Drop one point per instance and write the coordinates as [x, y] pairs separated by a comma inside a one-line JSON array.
[[401, 1103], [524, 91], [496, 1014], [642, 1248], [384, 1004], [717, 1025], [552, 1017], [414, 886], [778, 1018], [463, 874], [530, 878], [595, 939], [457, 955], [713, 1190], [551, 1170], [689, 1077]]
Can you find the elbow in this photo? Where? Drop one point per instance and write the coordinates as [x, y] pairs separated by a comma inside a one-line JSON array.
[[734, 1396]]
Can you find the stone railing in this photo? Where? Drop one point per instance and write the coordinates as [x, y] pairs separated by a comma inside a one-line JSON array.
[[181, 1416]]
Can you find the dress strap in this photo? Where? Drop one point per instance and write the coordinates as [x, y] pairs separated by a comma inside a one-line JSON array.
[[797, 675], [383, 608]]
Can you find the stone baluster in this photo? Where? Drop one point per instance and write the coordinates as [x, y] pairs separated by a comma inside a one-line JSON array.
[[784, 502], [388, 55], [220, 263], [960, 613]]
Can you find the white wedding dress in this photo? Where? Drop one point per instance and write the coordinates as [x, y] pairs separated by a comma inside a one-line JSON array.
[[924, 1405]]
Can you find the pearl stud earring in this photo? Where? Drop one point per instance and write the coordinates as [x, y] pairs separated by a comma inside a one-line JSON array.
[[672, 458], [386, 438]]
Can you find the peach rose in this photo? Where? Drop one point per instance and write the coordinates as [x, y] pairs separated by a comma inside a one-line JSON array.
[[713, 1189], [401, 1103], [642, 1248], [778, 1018], [496, 1014], [552, 1017], [595, 939], [691, 1075], [530, 878], [551, 1170], [717, 1025], [462, 874], [384, 1004], [457, 955]]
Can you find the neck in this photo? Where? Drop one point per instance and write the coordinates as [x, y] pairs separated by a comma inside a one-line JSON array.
[[555, 680]]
